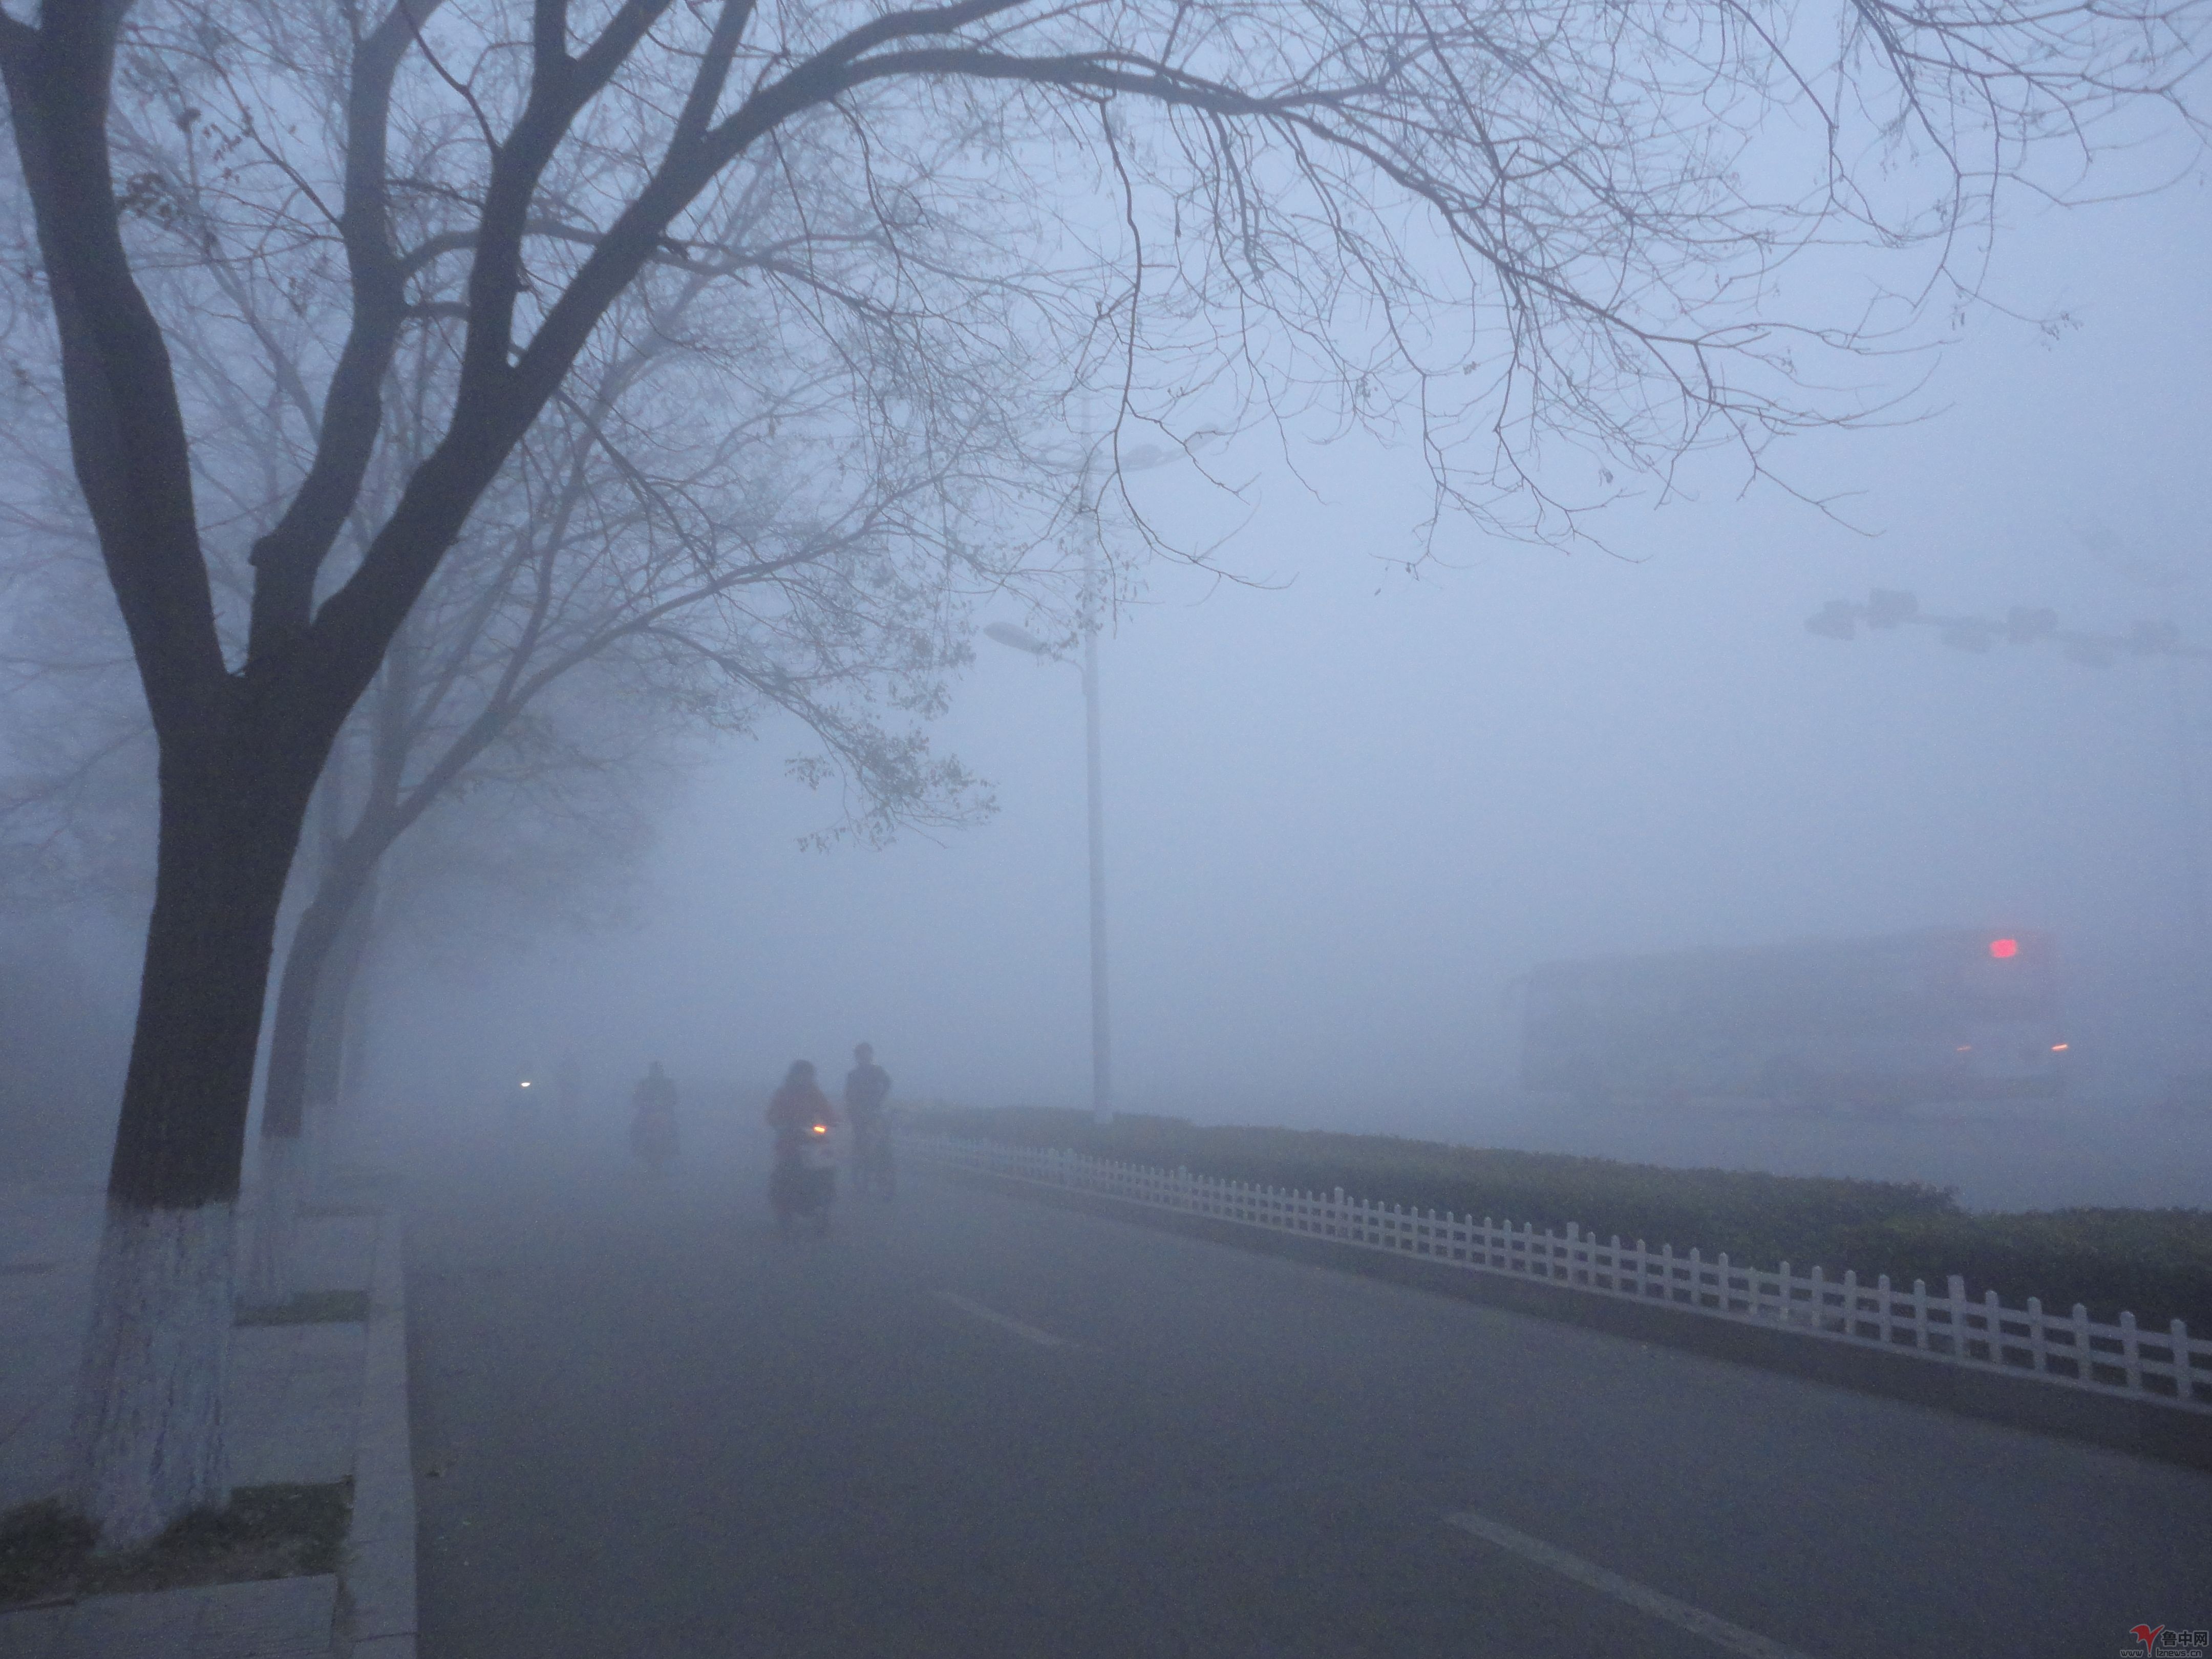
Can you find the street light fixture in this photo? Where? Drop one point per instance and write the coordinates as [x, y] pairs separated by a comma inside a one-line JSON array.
[[1020, 638]]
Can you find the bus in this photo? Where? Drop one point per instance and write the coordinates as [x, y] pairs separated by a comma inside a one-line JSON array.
[[1943, 1014]]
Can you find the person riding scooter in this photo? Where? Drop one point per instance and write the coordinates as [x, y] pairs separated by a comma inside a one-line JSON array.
[[804, 1181]]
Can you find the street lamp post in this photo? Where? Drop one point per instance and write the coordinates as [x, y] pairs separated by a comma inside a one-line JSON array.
[[1141, 459], [1101, 1046]]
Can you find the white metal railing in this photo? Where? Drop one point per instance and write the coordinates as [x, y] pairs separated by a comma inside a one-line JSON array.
[[2169, 1368]]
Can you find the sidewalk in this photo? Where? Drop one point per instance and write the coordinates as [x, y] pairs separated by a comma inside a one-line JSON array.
[[306, 1403]]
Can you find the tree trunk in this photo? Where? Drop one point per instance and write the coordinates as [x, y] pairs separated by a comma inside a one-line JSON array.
[[331, 1046], [265, 1276], [147, 1441], [284, 1106], [347, 1133], [305, 1049]]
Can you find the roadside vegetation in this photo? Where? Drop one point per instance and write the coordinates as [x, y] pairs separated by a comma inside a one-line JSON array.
[[2156, 1264]]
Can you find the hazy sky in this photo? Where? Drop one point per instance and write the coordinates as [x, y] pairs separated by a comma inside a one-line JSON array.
[[1345, 812]]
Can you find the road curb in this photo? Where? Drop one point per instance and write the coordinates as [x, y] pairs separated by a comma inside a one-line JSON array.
[[376, 1595], [2139, 1427]]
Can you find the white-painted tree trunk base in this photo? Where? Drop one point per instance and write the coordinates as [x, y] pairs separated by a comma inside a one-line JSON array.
[[146, 1444], [273, 1229]]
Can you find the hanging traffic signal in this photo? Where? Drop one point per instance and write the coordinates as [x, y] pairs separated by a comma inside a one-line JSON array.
[[2001, 949], [1888, 606], [1836, 620]]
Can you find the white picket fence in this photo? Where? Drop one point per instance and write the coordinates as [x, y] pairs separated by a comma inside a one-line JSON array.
[[2169, 1368]]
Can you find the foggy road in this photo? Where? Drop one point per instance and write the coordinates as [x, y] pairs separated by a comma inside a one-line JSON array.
[[971, 1424]]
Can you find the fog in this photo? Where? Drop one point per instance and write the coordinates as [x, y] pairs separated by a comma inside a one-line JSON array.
[[1347, 805], [1348, 802], [1639, 578]]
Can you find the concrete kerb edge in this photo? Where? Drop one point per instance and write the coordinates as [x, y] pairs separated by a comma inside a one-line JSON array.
[[376, 1582], [2136, 1426]]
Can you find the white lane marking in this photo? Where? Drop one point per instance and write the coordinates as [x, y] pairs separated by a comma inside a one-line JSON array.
[[1681, 1615], [1027, 1332]]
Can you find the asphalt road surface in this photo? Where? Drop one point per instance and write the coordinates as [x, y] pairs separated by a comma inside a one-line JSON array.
[[969, 1424]]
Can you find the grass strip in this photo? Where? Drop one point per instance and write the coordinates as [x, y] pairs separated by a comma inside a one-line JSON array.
[[2156, 1264], [311, 1307], [47, 1555]]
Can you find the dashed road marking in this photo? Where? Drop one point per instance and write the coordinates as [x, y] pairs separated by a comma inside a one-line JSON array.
[[1680, 1614], [1027, 1332]]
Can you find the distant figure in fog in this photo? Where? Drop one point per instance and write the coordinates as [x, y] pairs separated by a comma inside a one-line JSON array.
[[653, 1133], [804, 1181], [867, 1085]]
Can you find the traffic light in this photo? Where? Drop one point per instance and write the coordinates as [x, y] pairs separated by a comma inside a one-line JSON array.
[[1887, 607], [1969, 634], [2151, 639], [1836, 620]]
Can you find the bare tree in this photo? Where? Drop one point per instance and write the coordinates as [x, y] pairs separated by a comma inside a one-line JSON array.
[[1552, 218], [705, 545], [704, 569]]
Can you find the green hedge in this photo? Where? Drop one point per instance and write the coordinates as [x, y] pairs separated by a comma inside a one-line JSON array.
[[2154, 1263]]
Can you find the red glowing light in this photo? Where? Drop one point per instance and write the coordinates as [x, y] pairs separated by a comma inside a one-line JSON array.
[[2002, 948]]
